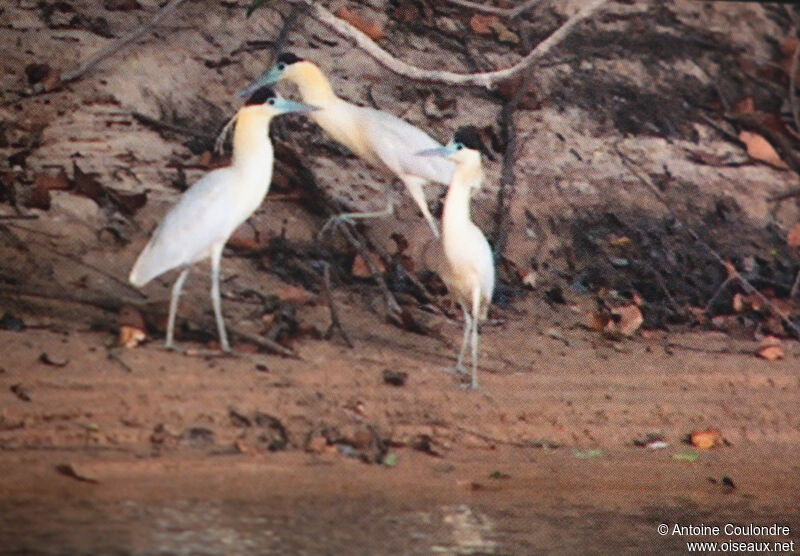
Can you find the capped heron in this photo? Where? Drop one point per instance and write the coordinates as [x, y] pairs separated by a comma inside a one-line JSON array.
[[471, 266], [200, 223], [379, 138]]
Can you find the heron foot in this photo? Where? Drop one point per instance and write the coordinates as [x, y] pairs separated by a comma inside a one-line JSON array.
[[200, 352]]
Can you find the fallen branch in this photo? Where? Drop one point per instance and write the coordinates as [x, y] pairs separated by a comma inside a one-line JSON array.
[[113, 305], [510, 12], [89, 64], [487, 80]]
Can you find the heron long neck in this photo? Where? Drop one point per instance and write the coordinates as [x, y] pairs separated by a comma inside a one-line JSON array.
[[313, 85], [456, 215], [252, 149]]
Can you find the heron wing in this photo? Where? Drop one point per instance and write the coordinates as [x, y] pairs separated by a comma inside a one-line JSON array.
[[397, 143], [201, 218]]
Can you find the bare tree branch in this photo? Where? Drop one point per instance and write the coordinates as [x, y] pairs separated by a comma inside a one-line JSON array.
[[487, 80], [510, 12]]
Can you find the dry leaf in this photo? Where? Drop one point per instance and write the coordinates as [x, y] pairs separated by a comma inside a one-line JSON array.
[[706, 439], [793, 238], [294, 294], [360, 268], [738, 302], [244, 238], [597, 321], [369, 27], [760, 149], [482, 23], [504, 34], [132, 330], [770, 353], [619, 241], [130, 337], [530, 279], [743, 106], [629, 319], [69, 470]]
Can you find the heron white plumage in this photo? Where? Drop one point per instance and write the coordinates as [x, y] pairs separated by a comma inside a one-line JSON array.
[[378, 138], [200, 223], [469, 256]]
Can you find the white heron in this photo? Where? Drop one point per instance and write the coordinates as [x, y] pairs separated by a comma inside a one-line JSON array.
[[380, 139], [470, 263], [200, 223]]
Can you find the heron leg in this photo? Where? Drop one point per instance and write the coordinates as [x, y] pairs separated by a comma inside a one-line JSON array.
[[414, 186], [476, 308], [173, 308], [463, 351], [216, 256], [351, 217]]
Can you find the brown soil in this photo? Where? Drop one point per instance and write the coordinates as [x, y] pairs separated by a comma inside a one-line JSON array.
[[105, 450]]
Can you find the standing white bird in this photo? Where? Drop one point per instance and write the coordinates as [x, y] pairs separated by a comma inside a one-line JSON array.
[[378, 138], [471, 266], [200, 223]]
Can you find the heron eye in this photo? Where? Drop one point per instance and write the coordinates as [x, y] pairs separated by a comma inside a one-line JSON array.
[[459, 147], [271, 101], [281, 66]]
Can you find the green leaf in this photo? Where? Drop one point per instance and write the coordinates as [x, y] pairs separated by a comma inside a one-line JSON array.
[[587, 454], [254, 5], [390, 460], [686, 455]]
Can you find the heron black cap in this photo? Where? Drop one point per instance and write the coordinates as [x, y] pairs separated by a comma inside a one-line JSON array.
[[260, 96], [469, 137], [288, 58]]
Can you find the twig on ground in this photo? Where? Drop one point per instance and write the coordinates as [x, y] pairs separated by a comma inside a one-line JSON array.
[[795, 286], [113, 355], [487, 80], [509, 12], [336, 324]]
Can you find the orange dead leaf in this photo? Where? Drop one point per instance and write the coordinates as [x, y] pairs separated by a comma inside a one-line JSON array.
[[482, 24], [294, 294], [619, 241], [597, 321], [760, 149], [629, 319], [132, 330], [793, 238], [738, 302], [369, 27], [130, 337], [360, 268], [770, 353], [706, 439]]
